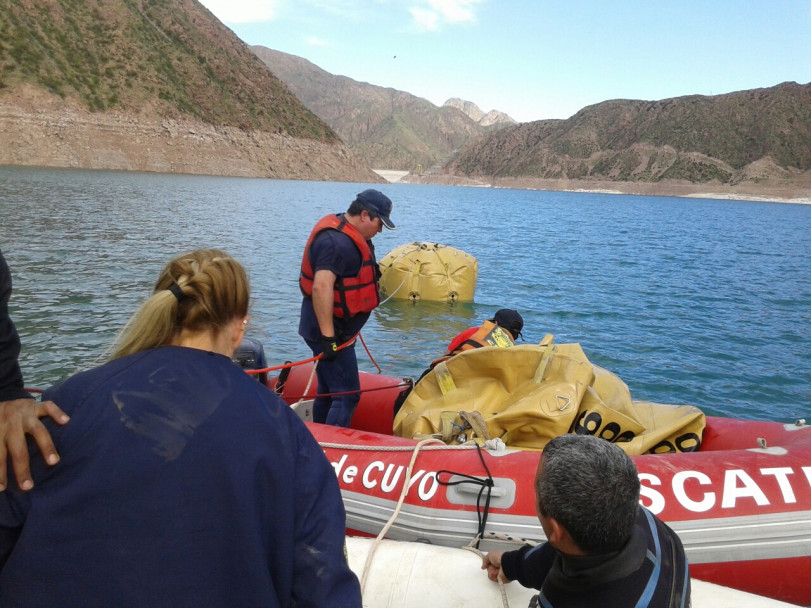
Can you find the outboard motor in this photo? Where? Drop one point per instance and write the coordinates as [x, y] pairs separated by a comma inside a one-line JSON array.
[[250, 354]]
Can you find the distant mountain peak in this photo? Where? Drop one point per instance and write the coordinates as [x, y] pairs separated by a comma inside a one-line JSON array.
[[475, 113]]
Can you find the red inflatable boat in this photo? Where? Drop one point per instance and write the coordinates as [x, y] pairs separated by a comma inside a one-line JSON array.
[[741, 504]]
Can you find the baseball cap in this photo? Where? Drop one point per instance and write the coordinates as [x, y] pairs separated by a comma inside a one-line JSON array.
[[509, 319], [379, 204]]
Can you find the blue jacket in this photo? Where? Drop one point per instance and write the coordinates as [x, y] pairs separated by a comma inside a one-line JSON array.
[[650, 571], [183, 482]]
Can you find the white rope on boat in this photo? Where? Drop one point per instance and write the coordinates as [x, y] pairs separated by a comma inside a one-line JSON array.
[[504, 599], [298, 403], [415, 451], [397, 448]]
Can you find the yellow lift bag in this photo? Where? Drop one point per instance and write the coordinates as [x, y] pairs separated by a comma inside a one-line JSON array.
[[428, 271], [526, 395]]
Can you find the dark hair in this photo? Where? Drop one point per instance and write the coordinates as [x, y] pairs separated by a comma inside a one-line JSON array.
[[356, 207], [591, 487]]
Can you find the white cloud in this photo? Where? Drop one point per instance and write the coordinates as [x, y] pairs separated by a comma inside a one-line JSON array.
[[314, 41], [455, 11], [431, 15], [241, 11], [425, 19]]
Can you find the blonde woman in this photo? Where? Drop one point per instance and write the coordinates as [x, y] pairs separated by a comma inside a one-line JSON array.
[[183, 482]]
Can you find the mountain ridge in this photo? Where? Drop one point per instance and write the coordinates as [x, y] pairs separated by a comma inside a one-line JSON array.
[[390, 129], [755, 136]]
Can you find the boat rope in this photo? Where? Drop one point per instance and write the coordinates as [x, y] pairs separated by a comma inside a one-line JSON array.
[[300, 400], [485, 483], [290, 364], [316, 358], [415, 451], [369, 354], [473, 548], [505, 601], [395, 448], [353, 392]]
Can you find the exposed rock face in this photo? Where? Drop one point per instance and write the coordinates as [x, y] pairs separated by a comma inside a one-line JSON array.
[[54, 134], [158, 85], [468, 107], [494, 117]]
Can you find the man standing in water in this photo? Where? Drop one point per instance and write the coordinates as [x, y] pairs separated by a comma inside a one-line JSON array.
[[339, 281]]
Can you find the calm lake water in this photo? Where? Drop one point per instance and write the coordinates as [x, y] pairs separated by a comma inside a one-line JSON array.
[[696, 301]]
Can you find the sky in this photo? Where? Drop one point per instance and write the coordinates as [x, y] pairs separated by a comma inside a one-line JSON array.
[[538, 59]]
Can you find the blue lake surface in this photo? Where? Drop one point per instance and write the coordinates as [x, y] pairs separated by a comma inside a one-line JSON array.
[[706, 302]]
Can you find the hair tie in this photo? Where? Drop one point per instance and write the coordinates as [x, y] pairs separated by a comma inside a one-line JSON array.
[[177, 291]]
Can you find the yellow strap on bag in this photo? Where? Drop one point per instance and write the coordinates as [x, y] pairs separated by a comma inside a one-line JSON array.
[[449, 427], [544, 362], [444, 378], [475, 422]]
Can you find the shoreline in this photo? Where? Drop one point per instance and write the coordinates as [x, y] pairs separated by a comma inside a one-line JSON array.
[[797, 192]]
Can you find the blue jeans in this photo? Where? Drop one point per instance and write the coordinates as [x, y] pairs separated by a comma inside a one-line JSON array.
[[338, 376]]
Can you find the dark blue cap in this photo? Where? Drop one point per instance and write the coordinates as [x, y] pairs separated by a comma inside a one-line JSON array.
[[510, 320], [378, 203]]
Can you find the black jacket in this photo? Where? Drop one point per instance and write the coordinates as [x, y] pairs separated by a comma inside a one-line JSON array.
[[11, 378], [651, 570]]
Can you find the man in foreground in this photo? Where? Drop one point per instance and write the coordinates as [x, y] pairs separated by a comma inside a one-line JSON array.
[[603, 548]]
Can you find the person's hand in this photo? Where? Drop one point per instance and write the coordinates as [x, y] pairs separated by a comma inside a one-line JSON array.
[[18, 418], [330, 348], [492, 563]]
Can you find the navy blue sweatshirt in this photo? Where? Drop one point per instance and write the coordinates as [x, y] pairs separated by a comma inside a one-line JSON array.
[[183, 482]]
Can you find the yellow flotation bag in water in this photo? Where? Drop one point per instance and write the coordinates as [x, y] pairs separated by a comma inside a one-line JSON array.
[[428, 271], [526, 395]]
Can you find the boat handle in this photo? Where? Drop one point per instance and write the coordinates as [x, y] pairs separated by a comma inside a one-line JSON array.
[[495, 491]]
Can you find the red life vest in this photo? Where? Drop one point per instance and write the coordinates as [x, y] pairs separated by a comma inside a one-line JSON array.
[[352, 295], [489, 334]]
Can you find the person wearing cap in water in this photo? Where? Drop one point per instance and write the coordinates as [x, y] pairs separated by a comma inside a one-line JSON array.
[[339, 281], [502, 330]]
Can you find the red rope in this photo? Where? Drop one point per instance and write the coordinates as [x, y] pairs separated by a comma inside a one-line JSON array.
[[362, 390], [295, 363], [371, 358], [315, 358]]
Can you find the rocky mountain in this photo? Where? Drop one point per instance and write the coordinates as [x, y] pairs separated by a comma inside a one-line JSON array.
[[156, 85], [756, 136], [390, 129], [493, 117]]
